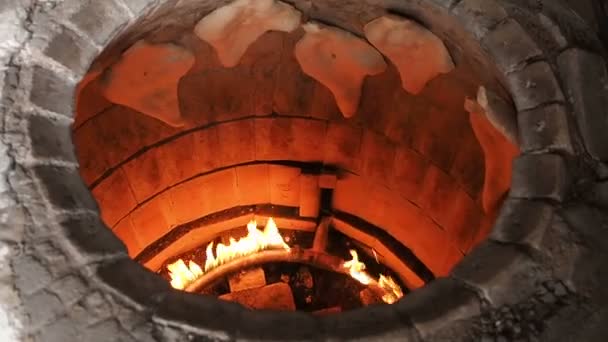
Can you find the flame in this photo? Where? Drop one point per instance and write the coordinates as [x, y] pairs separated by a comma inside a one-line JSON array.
[[356, 269], [255, 241]]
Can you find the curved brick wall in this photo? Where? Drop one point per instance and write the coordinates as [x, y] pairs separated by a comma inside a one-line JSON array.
[[396, 152], [70, 279]]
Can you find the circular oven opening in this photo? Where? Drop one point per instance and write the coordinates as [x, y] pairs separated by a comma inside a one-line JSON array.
[[372, 158]]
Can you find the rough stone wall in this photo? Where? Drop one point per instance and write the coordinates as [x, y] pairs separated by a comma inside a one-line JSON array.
[[545, 255]]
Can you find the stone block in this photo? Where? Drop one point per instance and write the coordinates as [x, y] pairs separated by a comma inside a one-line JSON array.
[[468, 162], [70, 289], [545, 129], [146, 174], [247, 279], [124, 132], [411, 226], [461, 219], [91, 238], [220, 189], [64, 188], [310, 195], [61, 330], [134, 281], [540, 177], [98, 332], [138, 6], [352, 195], [273, 139], [435, 181], [237, 142], [439, 304], [343, 146], [375, 323], [52, 92], [125, 231], [51, 139], [586, 83], [263, 325], [177, 308], [308, 140], [522, 221], [30, 274], [114, 197], [284, 185], [179, 160], [42, 308], [378, 155], [253, 185], [70, 50], [100, 20], [479, 16], [430, 128], [409, 173], [510, 45], [534, 85], [188, 201], [206, 146], [153, 219], [503, 273], [276, 296]]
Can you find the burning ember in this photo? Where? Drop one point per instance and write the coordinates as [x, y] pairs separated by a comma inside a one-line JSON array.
[[392, 291], [183, 274], [255, 241]]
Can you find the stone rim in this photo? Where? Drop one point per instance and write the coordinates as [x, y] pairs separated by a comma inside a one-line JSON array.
[[41, 169]]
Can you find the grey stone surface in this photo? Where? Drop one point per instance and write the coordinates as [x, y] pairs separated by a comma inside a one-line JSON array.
[[503, 273], [522, 221], [41, 308], [586, 81], [136, 282], [278, 326], [443, 302], [139, 6], [533, 86], [51, 138], [100, 20], [31, 275], [479, 16], [64, 187], [501, 113], [600, 194], [510, 46], [91, 238], [52, 92], [79, 54], [545, 129], [540, 176], [374, 323]]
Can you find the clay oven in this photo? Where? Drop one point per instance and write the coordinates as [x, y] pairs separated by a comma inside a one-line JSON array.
[[303, 170]]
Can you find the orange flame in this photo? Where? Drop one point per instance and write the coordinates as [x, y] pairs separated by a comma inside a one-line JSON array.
[[255, 241], [356, 269]]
